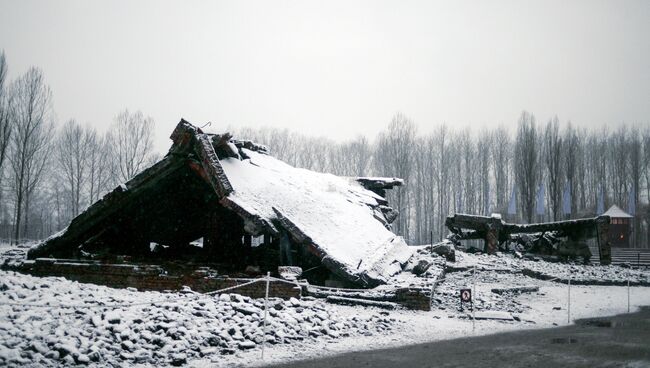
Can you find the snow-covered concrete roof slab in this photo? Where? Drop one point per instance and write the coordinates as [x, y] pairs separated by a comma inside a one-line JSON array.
[[334, 216]]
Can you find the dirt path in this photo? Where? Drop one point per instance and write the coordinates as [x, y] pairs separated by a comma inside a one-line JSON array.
[[619, 341]]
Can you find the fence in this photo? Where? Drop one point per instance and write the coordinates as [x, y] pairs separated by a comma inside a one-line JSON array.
[[636, 257]]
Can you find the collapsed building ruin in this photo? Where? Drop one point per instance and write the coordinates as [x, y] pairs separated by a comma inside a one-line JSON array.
[[541, 238], [249, 209]]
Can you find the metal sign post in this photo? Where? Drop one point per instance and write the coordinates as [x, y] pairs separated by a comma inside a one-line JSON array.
[[473, 292], [466, 297], [433, 290], [266, 302], [628, 292], [568, 317]]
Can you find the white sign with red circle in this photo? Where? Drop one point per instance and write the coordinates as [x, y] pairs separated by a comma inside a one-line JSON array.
[[465, 295]]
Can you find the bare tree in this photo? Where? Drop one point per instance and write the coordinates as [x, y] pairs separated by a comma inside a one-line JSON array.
[[394, 156], [356, 156], [441, 158], [281, 145], [469, 165], [527, 163], [131, 140], [581, 195], [635, 162], [72, 154], [572, 163], [483, 144], [319, 150], [421, 177], [5, 124], [553, 160], [619, 156], [29, 113], [646, 173], [501, 153], [100, 179]]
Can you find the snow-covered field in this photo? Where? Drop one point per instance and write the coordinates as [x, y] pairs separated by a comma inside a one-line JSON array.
[[117, 327], [544, 309]]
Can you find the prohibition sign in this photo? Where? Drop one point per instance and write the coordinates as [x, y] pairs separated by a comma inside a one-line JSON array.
[[465, 295]]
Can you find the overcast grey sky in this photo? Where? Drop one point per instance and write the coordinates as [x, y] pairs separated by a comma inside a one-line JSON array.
[[336, 68]]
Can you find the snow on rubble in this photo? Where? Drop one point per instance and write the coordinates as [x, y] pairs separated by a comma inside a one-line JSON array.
[[317, 203], [560, 272], [175, 328], [118, 327]]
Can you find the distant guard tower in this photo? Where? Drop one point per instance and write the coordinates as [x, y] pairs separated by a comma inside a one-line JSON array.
[[620, 227]]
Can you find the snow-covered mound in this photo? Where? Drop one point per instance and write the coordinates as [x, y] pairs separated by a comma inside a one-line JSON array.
[[111, 327]]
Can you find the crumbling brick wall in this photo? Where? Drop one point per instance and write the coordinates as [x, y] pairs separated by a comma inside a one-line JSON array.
[[153, 278], [413, 298]]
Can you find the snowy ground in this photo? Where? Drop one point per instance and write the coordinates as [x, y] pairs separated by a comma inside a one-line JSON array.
[[543, 309], [115, 327]]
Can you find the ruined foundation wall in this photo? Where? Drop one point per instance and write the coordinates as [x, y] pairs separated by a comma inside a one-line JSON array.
[[152, 278]]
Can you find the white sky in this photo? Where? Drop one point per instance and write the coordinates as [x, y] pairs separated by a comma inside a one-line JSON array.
[[336, 68]]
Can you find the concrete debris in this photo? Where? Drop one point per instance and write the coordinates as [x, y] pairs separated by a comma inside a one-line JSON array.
[[446, 249], [563, 239], [361, 302], [421, 267], [516, 290], [495, 315], [290, 273]]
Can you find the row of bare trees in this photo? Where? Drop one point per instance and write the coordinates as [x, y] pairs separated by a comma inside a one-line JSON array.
[[450, 170], [50, 172]]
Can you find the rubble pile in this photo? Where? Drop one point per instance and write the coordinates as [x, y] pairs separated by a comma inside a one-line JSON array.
[[585, 274], [446, 296], [559, 272], [173, 329], [426, 263], [559, 240]]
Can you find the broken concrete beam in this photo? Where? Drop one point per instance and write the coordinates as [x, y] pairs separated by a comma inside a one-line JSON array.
[[253, 223], [212, 171], [291, 273], [250, 145], [516, 290], [361, 302], [184, 137], [495, 315], [446, 249], [421, 267], [223, 147], [389, 213], [380, 182]]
